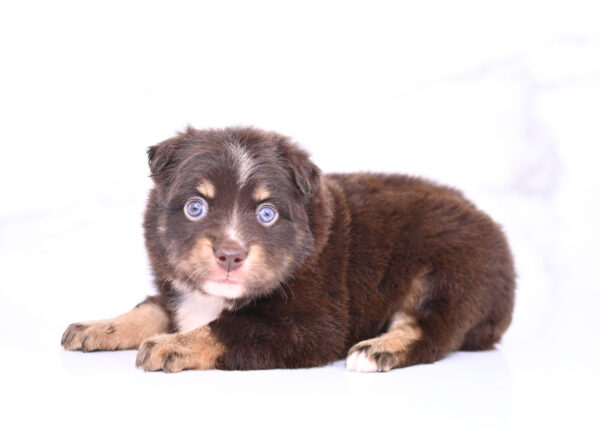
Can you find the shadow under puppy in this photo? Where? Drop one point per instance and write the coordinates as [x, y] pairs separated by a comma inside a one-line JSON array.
[[261, 262]]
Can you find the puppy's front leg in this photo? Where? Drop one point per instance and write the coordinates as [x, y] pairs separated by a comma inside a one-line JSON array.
[[247, 342], [296, 338], [126, 331]]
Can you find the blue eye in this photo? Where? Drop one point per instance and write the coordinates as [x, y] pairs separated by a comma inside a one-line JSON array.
[[195, 209], [267, 214]]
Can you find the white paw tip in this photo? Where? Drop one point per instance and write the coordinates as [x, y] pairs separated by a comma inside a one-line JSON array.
[[358, 362], [351, 361]]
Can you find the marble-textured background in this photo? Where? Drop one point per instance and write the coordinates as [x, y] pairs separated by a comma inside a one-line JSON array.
[[500, 99]]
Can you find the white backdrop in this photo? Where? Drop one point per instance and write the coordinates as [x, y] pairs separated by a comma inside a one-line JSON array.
[[500, 99]]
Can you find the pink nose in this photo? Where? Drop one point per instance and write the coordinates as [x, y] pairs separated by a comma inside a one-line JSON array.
[[230, 258]]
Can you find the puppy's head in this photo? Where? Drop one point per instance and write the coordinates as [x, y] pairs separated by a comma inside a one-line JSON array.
[[229, 213]]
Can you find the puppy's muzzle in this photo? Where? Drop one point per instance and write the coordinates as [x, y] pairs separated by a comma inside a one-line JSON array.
[[230, 256]]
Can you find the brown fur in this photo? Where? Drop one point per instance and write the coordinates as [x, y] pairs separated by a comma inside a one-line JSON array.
[[396, 268]]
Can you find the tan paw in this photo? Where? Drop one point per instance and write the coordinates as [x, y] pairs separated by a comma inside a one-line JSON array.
[[91, 336], [196, 349], [390, 350], [381, 354], [123, 332], [163, 353]]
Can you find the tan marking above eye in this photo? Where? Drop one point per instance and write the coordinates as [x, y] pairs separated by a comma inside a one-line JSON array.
[[262, 193], [206, 188]]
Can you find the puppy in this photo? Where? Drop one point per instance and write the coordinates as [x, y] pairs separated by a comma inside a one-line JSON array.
[[262, 262]]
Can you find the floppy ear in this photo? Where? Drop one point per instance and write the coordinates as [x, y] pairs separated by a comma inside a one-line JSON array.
[[306, 174], [162, 156], [158, 157]]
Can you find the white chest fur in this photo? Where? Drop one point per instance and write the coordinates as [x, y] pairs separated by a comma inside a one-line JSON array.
[[196, 309]]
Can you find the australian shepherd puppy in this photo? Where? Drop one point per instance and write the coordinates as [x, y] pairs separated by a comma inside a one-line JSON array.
[[262, 262]]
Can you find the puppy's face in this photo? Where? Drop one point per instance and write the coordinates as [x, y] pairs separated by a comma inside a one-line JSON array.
[[229, 214]]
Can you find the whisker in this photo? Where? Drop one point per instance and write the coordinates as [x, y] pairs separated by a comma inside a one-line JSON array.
[[193, 276]]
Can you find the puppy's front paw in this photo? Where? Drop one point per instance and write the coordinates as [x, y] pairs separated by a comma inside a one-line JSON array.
[[91, 336], [164, 353], [197, 349]]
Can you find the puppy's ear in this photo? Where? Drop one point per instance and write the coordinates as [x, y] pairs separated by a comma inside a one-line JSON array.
[[159, 156], [306, 174], [162, 155]]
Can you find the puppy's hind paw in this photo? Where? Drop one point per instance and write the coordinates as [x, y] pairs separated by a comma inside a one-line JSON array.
[[358, 361], [376, 355]]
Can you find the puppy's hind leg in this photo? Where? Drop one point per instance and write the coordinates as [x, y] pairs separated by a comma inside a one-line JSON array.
[[416, 334], [126, 331]]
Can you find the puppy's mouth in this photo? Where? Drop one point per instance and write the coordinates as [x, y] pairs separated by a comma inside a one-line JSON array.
[[224, 288], [228, 284], [227, 275]]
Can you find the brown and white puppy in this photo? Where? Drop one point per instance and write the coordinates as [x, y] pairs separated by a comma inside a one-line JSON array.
[[261, 262]]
